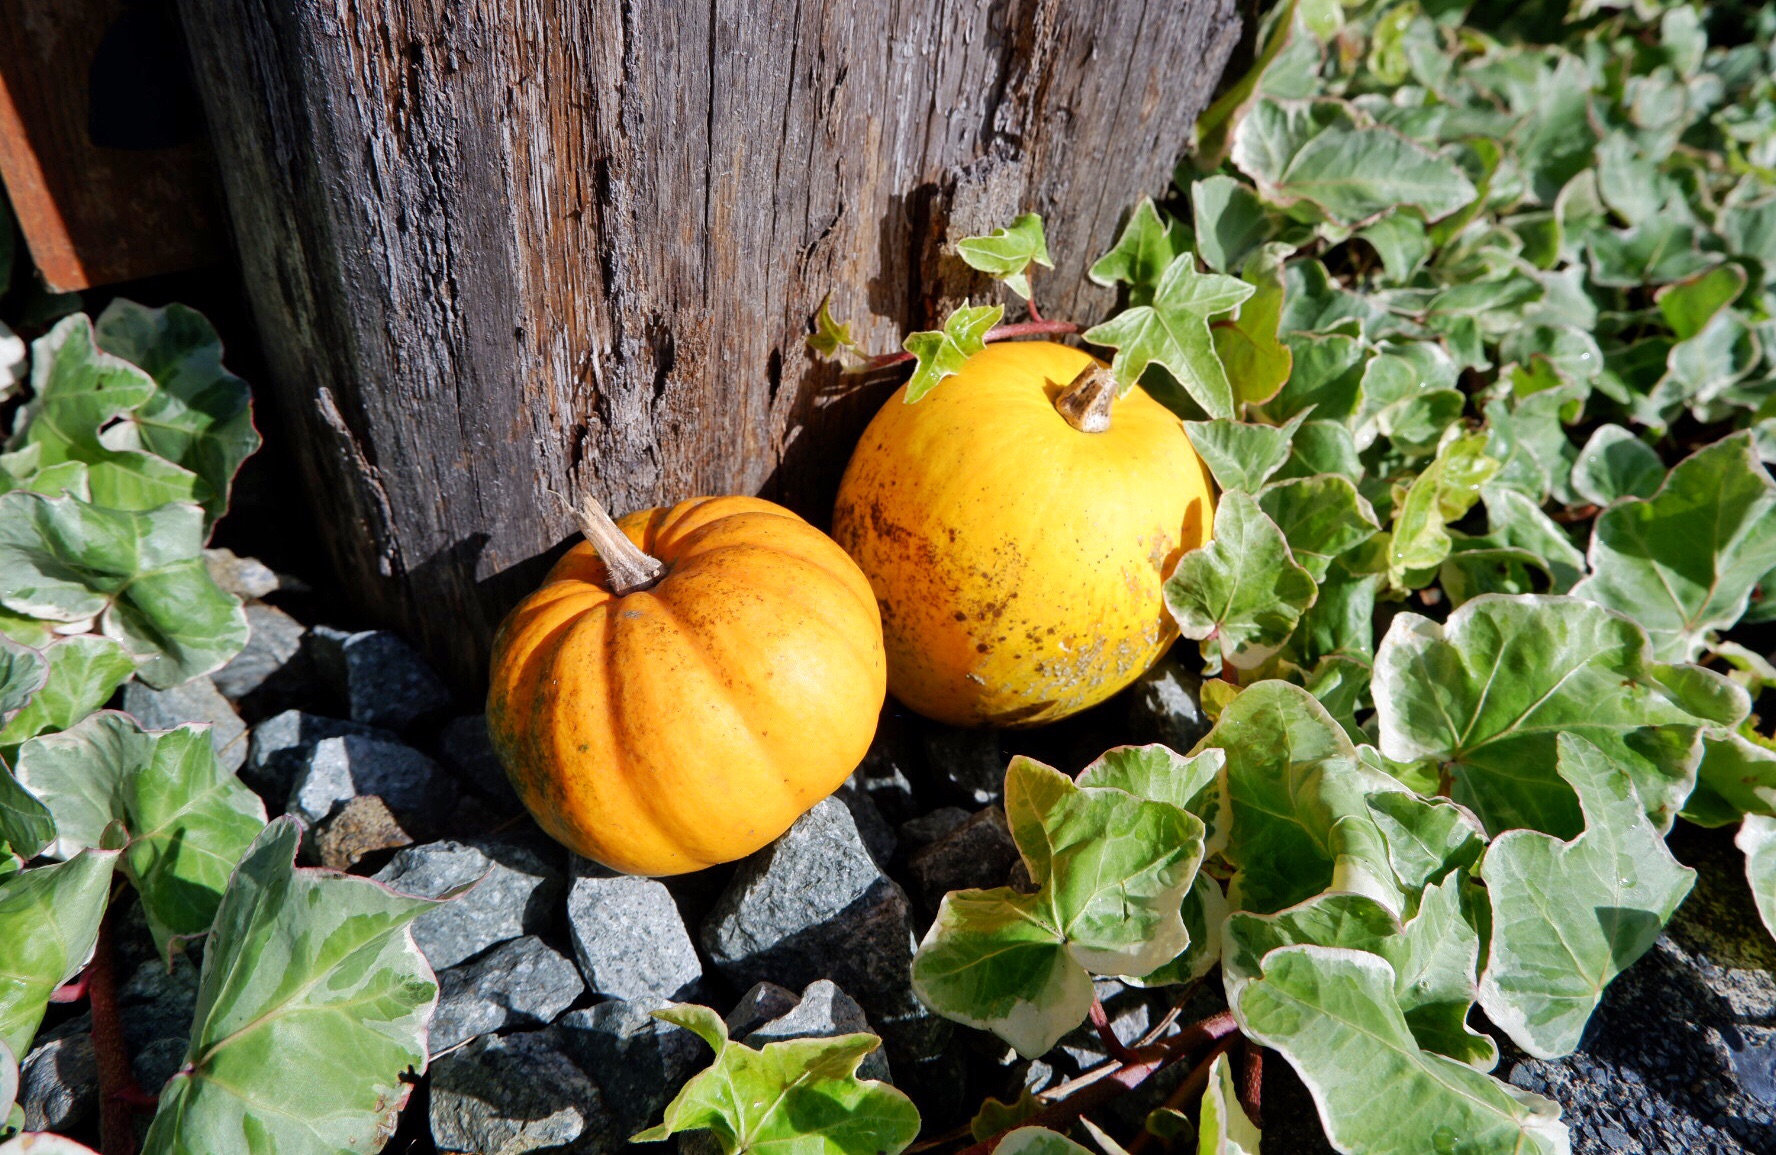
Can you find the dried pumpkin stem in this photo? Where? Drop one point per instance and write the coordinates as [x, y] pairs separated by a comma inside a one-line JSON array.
[[1086, 402], [630, 569]]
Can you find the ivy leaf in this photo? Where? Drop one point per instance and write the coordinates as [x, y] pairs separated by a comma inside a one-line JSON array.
[[1039, 1141], [1433, 956], [1230, 221], [1736, 777], [1486, 694], [200, 415], [1320, 517], [798, 1097], [1443, 493], [1568, 917], [830, 341], [1297, 795], [942, 353], [1147, 246], [1320, 153], [1691, 304], [1241, 594], [80, 390], [1111, 871], [23, 672], [188, 820], [1333, 1014], [1226, 1129], [1615, 464], [1174, 332], [1256, 361], [1516, 522], [1658, 251], [1242, 456], [140, 573], [1404, 403], [83, 672], [312, 1004], [49, 920], [1685, 561], [1006, 253], [1757, 839]]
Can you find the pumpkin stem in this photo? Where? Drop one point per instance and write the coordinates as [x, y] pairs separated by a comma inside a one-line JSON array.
[[1086, 402], [630, 569]]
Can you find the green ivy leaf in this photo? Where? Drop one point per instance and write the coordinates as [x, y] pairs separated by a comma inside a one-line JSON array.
[[1039, 1141], [1297, 798], [1487, 693], [1615, 464], [1516, 522], [942, 353], [1443, 493], [200, 416], [1757, 839], [23, 672], [1333, 1015], [141, 574], [1736, 777], [1241, 594], [1230, 221], [1684, 562], [797, 1097], [1691, 304], [82, 400], [312, 1004], [1320, 517], [1242, 456], [1006, 254], [830, 340], [1149, 243], [188, 820], [83, 672], [1256, 360], [49, 920], [1320, 152], [1568, 917], [1174, 332], [1111, 871], [1226, 1129]]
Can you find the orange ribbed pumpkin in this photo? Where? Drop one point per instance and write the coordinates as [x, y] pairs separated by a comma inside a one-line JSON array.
[[687, 683]]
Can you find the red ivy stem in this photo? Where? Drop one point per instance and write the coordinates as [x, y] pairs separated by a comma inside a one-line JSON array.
[[117, 1083], [1219, 1029], [1251, 1082], [1114, 1046], [1037, 328], [71, 991]]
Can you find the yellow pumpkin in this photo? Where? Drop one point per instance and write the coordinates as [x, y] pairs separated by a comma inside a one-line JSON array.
[[1017, 524], [687, 683]]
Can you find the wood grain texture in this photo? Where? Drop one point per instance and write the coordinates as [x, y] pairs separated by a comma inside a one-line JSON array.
[[502, 252], [92, 212]]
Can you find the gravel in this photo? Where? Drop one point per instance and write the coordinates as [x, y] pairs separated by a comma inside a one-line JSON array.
[[197, 700], [628, 936], [512, 891], [336, 770], [507, 1095], [281, 745], [383, 680], [638, 1061], [518, 983]]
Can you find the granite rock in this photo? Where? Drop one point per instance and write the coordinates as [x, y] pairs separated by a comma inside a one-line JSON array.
[[1165, 706], [639, 1062], [512, 891], [272, 671], [978, 853], [247, 578], [465, 751], [966, 767], [507, 1095], [197, 700], [59, 1082], [362, 827], [383, 680], [336, 770], [518, 983], [761, 1003], [822, 1012], [280, 745], [628, 936], [886, 773]]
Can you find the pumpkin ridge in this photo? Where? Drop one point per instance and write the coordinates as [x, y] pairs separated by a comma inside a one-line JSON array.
[[859, 589]]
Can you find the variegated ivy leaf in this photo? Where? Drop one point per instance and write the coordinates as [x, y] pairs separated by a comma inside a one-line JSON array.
[[49, 920], [1529, 439], [1241, 594], [1225, 1128], [200, 415], [1736, 777], [9, 1085], [312, 1006], [1615, 464], [1111, 870], [1757, 839], [83, 672], [1242, 456], [1568, 917], [1320, 517], [794, 1097], [187, 819], [1256, 359], [1486, 694], [79, 394], [23, 671], [1320, 152], [830, 340], [1516, 522], [1146, 248], [1298, 807], [942, 353], [1434, 956], [1173, 332], [1006, 254], [1685, 561], [1039, 1141], [141, 574], [1230, 221], [1443, 493], [1333, 1015], [1690, 305], [1404, 403]]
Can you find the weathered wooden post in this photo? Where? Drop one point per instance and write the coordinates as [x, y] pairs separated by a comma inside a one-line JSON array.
[[502, 252]]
